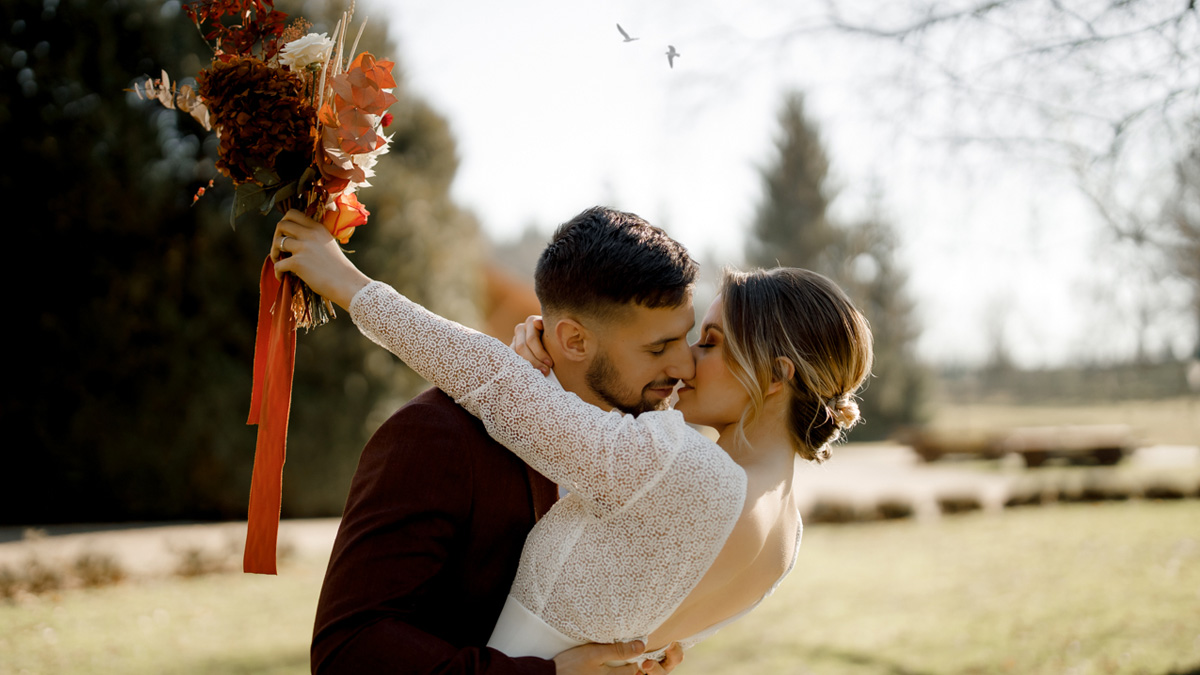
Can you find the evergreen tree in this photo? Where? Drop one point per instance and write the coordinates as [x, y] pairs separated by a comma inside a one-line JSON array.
[[130, 379], [894, 395], [792, 228]]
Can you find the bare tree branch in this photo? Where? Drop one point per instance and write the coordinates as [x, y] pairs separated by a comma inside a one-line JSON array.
[[1108, 88], [930, 20]]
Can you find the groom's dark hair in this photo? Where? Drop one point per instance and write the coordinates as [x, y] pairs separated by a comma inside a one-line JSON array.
[[602, 259]]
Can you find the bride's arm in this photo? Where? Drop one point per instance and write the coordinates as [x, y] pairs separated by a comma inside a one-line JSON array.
[[605, 457]]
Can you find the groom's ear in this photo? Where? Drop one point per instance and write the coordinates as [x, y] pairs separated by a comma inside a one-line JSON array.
[[573, 339]]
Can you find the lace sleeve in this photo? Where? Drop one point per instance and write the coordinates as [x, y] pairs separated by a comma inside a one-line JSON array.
[[608, 458]]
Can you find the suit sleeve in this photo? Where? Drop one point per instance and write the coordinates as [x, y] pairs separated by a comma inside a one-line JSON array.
[[396, 535]]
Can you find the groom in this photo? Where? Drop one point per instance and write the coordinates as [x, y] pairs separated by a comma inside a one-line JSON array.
[[438, 512]]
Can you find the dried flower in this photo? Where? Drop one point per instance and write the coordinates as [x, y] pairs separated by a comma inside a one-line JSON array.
[[200, 193], [257, 22], [352, 118], [264, 121], [296, 29], [311, 49], [345, 172], [174, 96]]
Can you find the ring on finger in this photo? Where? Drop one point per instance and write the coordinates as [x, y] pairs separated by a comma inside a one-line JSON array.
[[282, 239]]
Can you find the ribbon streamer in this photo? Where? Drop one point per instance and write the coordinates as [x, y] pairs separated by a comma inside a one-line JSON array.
[[270, 405]]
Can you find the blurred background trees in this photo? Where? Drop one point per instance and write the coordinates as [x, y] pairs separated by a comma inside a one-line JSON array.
[[131, 373], [792, 227]]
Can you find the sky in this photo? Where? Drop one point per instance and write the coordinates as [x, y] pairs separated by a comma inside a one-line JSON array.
[[553, 112]]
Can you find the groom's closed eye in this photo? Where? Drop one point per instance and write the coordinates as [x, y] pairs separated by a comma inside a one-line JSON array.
[[659, 348]]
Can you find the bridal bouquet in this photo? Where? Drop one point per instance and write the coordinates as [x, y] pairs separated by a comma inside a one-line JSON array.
[[300, 126], [300, 122]]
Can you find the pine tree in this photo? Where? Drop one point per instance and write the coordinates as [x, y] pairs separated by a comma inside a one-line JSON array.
[[792, 228], [869, 272]]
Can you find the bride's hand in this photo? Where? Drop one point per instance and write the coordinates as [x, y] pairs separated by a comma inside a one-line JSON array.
[[527, 343], [305, 248]]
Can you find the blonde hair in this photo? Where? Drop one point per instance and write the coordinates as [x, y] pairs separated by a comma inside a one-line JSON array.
[[803, 317]]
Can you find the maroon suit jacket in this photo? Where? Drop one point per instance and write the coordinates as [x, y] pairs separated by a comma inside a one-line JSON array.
[[427, 549]]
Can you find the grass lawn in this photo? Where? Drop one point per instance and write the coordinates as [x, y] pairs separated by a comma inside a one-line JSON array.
[[1080, 589], [226, 623]]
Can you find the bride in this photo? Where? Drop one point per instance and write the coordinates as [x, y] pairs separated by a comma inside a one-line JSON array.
[[665, 536]]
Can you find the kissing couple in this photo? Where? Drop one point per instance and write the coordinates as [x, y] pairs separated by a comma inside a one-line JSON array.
[[455, 554]]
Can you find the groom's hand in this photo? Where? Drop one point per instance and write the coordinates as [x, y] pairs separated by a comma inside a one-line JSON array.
[[594, 659], [672, 658]]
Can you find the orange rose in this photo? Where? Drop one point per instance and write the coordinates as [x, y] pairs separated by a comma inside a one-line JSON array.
[[348, 215]]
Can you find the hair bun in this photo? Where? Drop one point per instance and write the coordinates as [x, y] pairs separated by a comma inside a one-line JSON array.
[[844, 410]]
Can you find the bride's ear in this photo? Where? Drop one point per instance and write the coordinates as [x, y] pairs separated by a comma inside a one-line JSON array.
[[784, 371], [572, 339]]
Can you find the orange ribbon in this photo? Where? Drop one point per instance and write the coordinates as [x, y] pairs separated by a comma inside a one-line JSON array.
[[270, 403]]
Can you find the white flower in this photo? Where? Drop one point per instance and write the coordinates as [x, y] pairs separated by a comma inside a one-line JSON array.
[[303, 52]]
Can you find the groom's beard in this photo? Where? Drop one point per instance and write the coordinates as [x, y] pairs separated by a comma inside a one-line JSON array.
[[603, 379]]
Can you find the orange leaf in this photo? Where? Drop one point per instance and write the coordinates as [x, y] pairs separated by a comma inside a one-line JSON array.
[[357, 132], [379, 72], [364, 83], [327, 115], [342, 89]]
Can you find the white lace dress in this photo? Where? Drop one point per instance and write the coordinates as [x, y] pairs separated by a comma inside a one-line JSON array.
[[651, 500]]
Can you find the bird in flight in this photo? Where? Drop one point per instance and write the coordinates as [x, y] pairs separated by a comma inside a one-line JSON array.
[[671, 54], [625, 35]]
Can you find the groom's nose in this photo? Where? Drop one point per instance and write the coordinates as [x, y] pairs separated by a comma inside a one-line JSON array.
[[682, 365]]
